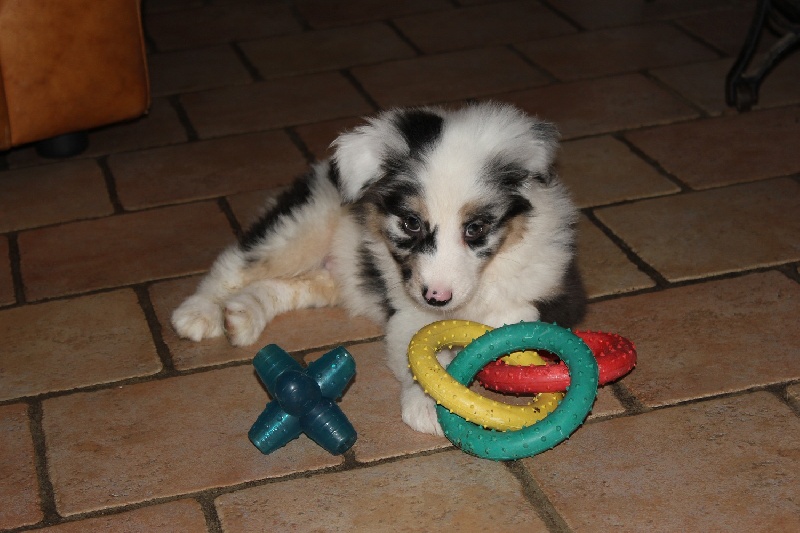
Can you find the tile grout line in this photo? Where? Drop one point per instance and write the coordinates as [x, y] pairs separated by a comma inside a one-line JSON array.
[[163, 374], [227, 210], [791, 271], [629, 401], [155, 328], [192, 201], [300, 144], [785, 397], [660, 281], [405, 38], [299, 356], [111, 185], [350, 77], [532, 492], [674, 93], [213, 522], [206, 497], [549, 5], [15, 261], [676, 23], [305, 26], [255, 74], [777, 389], [116, 510], [508, 94], [772, 388], [552, 79], [618, 134], [658, 167], [47, 499], [710, 278], [183, 117], [350, 463], [145, 209]]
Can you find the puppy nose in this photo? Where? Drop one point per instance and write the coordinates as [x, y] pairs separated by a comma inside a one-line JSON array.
[[437, 296]]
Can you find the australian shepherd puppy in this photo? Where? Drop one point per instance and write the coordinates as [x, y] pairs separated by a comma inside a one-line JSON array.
[[421, 215]]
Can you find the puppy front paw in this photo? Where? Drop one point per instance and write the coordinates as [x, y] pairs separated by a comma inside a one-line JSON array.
[[245, 319], [419, 411], [197, 318]]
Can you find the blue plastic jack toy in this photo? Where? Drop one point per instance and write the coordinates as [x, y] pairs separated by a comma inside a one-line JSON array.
[[303, 400]]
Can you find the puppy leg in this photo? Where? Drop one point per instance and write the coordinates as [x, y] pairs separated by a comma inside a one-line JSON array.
[[200, 316], [277, 266], [418, 409], [511, 314], [248, 312]]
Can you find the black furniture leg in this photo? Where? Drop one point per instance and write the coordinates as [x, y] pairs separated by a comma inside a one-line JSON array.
[[62, 146], [741, 89]]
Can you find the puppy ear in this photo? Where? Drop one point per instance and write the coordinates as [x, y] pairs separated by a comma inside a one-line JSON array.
[[516, 137], [359, 155], [542, 151]]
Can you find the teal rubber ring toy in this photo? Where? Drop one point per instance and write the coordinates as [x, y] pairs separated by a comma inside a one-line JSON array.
[[545, 434]]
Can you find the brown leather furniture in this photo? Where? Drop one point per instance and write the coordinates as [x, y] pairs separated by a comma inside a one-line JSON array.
[[68, 66]]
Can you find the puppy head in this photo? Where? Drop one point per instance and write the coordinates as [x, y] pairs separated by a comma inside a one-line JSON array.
[[446, 191]]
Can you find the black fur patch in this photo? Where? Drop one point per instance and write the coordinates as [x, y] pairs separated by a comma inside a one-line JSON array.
[[546, 131], [424, 243], [510, 176], [403, 262], [419, 128], [508, 179], [514, 205], [480, 243], [394, 165], [399, 259], [391, 168], [406, 272], [569, 307], [390, 194], [296, 196], [372, 280], [545, 178], [517, 205], [506, 176], [334, 175], [490, 220]]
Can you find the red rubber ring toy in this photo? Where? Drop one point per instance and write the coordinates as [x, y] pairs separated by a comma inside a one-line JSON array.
[[616, 356]]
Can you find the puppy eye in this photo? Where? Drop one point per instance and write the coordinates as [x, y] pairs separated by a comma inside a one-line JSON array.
[[475, 230], [412, 225]]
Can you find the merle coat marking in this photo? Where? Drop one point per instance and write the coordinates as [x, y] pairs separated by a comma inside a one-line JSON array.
[[422, 214]]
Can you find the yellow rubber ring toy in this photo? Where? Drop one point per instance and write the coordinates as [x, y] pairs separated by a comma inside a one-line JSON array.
[[457, 398]]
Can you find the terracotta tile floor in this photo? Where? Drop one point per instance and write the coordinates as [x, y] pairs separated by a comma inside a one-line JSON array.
[[689, 242]]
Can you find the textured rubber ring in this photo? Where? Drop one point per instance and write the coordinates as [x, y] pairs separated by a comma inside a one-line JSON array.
[[615, 355], [547, 433], [465, 403]]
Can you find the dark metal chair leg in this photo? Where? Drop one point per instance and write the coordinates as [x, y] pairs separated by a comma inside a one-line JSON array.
[[62, 146], [741, 89]]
